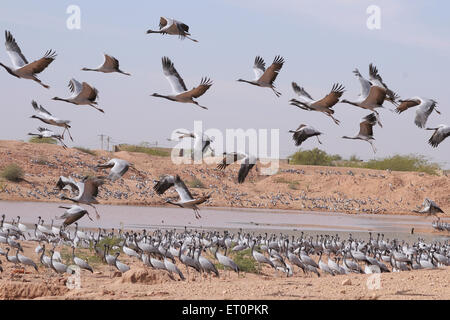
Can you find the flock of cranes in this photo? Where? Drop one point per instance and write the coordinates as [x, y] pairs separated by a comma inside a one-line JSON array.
[[204, 251], [374, 93]]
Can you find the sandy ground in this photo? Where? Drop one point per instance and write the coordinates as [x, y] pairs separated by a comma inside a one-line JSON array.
[[293, 187], [143, 283]]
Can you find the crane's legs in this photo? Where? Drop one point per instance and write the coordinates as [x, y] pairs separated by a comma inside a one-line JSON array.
[[334, 119], [97, 216]]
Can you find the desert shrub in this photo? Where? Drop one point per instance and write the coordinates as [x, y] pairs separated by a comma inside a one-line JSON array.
[[42, 140], [354, 158], [404, 163], [86, 150], [314, 157], [12, 172], [243, 259], [291, 184], [196, 183], [144, 149]]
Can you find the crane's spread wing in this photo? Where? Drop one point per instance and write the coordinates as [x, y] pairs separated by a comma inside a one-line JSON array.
[[75, 87], [366, 125], [196, 92], [300, 91], [229, 158], [162, 22], [332, 98], [438, 136], [365, 84], [259, 67], [183, 135], [303, 133], [164, 183], [66, 183], [173, 76], [376, 80], [182, 190], [376, 96], [111, 62], [423, 112], [406, 104], [119, 169], [271, 73], [91, 185], [41, 64], [14, 52], [88, 92], [182, 28], [42, 129], [40, 109], [246, 166]]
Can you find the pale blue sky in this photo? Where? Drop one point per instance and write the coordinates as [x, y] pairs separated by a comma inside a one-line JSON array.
[[321, 41]]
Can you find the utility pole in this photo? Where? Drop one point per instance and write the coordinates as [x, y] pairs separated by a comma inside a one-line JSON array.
[[108, 139], [101, 138]]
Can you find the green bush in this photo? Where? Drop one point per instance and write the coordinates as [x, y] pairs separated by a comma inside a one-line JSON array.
[[196, 183], [144, 149], [243, 259], [404, 163], [43, 140], [314, 157], [412, 163], [12, 172]]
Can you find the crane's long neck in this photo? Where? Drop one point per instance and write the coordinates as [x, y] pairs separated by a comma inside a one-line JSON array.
[[350, 102], [153, 31], [60, 99], [42, 254], [125, 73], [51, 261], [37, 117], [247, 81], [163, 96], [63, 197], [9, 70]]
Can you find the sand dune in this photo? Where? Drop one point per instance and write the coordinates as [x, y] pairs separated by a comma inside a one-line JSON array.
[[294, 187]]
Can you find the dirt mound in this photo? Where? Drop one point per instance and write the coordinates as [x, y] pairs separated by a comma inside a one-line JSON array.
[[305, 188], [144, 276], [19, 290]]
